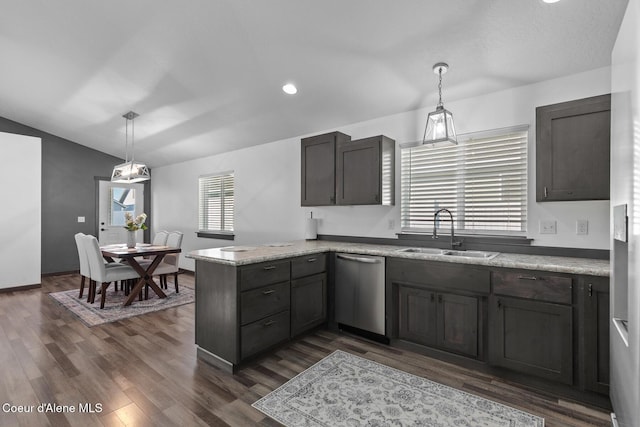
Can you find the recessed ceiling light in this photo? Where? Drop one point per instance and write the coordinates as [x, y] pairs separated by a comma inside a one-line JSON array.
[[290, 89], [551, 1]]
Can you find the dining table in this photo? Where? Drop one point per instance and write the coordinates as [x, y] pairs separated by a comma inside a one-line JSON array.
[[131, 255]]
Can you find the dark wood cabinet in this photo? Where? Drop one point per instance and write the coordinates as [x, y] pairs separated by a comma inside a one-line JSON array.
[[457, 323], [441, 320], [572, 150], [594, 345], [308, 292], [318, 167], [528, 334], [365, 171], [308, 303], [437, 305]]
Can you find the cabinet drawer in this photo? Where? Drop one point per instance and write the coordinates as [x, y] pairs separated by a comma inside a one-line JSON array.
[[532, 285], [262, 302], [308, 265], [262, 274], [263, 334]]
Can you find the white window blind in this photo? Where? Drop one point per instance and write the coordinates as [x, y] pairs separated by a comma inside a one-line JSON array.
[[482, 181], [216, 200]]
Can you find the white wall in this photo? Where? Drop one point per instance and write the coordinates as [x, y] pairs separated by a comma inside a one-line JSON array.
[[20, 226], [625, 189], [268, 176]]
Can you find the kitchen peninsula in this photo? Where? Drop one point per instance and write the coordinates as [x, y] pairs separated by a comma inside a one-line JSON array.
[[536, 316]]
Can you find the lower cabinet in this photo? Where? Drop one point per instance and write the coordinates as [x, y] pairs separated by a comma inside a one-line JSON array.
[[595, 333], [308, 303], [438, 319], [531, 337]]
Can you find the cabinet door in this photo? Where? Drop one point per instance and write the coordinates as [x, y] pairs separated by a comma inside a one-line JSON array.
[[318, 167], [595, 349], [531, 337], [572, 150], [308, 302], [458, 324], [359, 172], [417, 314]]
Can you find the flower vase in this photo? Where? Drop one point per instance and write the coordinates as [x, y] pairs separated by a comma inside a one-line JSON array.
[[131, 239]]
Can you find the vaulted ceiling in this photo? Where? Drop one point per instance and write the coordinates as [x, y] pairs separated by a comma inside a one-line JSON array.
[[206, 75]]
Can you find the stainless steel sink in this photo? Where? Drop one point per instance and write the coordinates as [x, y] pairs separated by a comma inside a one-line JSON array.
[[451, 253], [431, 251], [471, 254]]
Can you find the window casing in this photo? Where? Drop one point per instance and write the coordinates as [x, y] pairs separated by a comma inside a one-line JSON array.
[[482, 181], [216, 203]]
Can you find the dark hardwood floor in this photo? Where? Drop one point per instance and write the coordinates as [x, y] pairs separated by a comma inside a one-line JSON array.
[[143, 371]]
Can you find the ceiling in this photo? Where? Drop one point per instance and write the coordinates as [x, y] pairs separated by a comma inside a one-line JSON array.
[[206, 75]]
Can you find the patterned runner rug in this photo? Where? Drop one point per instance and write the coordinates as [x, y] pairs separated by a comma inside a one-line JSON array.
[[92, 315], [346, 390]]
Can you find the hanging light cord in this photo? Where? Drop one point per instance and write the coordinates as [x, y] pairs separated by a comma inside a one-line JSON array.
[[126, 141], [440, 87]]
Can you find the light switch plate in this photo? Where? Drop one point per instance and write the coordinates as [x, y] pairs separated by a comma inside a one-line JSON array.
[[547, 226], [582, 227]]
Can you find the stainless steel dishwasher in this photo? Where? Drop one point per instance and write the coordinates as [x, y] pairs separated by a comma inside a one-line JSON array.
[[359, 296]]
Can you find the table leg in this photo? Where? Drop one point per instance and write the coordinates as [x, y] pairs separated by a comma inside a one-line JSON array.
[[146, 277]]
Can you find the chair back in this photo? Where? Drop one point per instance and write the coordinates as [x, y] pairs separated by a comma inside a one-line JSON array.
[[82, 255], [173, 241], [160, 239], [96, 261]]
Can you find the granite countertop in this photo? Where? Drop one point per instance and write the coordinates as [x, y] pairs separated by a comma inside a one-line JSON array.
[[243, 255]]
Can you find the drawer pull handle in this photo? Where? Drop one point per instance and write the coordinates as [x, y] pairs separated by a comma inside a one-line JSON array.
[[312, 259], [590, 290], [269, 292], [269, 323], [269, 267], [499, 304], [527, 278]]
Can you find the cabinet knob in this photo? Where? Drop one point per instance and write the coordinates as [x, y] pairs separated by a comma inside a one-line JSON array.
[[269, 292], [312, 259], [527, 278], [499, 304], [269, 323], [546, 192], [590, 290], [269, 267]]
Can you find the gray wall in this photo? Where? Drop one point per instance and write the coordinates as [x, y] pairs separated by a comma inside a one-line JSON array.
[[69, 172]]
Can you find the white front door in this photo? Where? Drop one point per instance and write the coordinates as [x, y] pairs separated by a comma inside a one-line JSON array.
[[114, 199]]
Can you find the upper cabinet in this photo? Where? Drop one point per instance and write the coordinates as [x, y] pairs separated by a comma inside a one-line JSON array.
[[318, 157], [366, 171], [338, 171], [572, 150]]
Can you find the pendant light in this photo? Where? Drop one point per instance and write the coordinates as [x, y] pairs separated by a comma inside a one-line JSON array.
[[130, 171], [439, 129]]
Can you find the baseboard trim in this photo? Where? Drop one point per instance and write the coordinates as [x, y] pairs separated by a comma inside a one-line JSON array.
[[20, 288]]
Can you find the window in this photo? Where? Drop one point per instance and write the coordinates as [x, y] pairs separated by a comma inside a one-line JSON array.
[[122, 200], [215, 200], [482, 181]]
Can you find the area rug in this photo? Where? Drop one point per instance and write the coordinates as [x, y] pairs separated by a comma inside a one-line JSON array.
[[346, 390], [92, 315]]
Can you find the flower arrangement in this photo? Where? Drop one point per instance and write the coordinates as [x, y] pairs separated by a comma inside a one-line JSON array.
[[135, 224]]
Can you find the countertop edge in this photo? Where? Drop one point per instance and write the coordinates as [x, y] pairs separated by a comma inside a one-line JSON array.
[[585, 266]]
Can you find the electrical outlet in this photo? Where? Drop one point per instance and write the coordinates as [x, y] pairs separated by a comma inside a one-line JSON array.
[[547, 226], [80, 219], [582, 227], [392, 224]]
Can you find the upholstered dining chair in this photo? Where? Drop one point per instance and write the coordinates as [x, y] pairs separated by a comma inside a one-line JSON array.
[[170, 262], [84, 262], [101, 273]]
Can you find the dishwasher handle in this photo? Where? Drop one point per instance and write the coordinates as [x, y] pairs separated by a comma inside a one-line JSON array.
[[359, 259]]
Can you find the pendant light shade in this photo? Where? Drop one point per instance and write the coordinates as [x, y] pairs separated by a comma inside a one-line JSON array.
[[130, 171], [439, 129]]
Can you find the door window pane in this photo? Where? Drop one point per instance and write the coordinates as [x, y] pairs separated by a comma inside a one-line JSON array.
[[122, 200]]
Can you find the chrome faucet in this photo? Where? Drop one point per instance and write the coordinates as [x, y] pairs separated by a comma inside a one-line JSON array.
[[435, 230]]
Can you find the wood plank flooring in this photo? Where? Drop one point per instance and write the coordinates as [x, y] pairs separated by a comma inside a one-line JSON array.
[[143, 371]]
